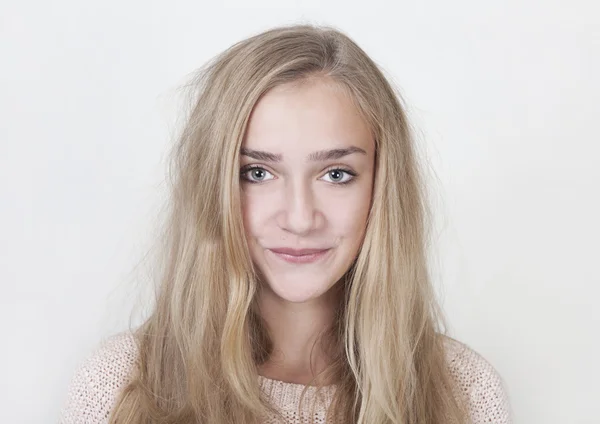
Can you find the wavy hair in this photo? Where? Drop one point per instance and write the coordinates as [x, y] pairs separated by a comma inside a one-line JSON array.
[[200, 347]]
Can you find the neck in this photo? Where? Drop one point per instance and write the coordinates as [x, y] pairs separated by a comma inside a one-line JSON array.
[[296, 330]]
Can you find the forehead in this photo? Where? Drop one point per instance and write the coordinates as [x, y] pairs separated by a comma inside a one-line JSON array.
[[310, 116]]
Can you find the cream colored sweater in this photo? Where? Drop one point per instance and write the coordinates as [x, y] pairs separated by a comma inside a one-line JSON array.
[[98, 380]]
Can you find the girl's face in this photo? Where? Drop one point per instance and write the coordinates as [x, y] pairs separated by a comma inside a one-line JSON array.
[[306, 175]]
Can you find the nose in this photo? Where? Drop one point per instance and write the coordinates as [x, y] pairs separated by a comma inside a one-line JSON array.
[[300, 215]]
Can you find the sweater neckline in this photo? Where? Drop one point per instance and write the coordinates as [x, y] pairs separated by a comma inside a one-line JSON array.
[[286, 396], [271, 381]]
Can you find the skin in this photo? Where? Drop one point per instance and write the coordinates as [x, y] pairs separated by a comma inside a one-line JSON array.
[[300, 203]]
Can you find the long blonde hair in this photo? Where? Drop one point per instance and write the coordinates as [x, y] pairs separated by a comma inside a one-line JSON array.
[[200, 346]]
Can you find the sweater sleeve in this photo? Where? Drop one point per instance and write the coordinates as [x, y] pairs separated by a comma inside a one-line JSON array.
[[98, 381], [482, 385]]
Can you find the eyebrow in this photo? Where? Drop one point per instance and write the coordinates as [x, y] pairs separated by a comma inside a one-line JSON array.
[[319, 156]]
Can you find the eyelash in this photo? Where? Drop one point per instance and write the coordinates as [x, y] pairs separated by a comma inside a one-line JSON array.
[[249, 168]]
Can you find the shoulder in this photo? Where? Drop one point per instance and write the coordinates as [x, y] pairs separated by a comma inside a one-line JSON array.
[[98, 380], [479, 382]]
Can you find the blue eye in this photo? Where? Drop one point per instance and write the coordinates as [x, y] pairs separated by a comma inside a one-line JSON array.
[[256, 172], [339, 175]]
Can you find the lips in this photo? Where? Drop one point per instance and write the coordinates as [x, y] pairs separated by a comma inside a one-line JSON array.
[[300, 256], [297, 252]]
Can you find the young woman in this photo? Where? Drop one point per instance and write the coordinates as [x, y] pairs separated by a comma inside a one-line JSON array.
[[294, 285]]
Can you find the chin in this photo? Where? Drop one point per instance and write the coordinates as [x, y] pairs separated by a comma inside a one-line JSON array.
[[296, 290]]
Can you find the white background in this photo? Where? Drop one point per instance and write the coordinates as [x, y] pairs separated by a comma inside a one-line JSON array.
[[505, 96]]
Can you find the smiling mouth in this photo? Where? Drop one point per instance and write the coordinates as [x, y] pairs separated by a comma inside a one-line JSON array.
[[305, 256]]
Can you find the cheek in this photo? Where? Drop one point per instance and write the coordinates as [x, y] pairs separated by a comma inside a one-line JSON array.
[[253, 211], [348, 216]]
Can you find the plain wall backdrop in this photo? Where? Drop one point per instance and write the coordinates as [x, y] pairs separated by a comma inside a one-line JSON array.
[[505, 98]]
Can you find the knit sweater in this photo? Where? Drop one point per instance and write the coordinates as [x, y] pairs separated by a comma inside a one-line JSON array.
[[98, 380]]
